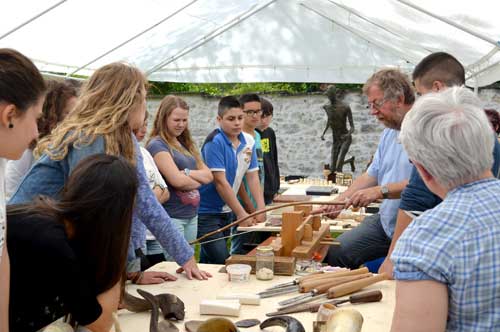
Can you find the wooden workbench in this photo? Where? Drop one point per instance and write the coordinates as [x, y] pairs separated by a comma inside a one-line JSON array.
[[377, 316]]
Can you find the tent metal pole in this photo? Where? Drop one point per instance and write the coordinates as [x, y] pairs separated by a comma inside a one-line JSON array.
[[131, 39], [360, 35], [483, 70], [378, 25], [484, 59], [208, 37], [32, 19], [476, 34]]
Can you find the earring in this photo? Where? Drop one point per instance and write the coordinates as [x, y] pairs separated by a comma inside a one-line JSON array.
[[11, 125]]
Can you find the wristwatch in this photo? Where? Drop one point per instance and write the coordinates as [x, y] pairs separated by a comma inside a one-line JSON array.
[[385, 192], [187, 171]]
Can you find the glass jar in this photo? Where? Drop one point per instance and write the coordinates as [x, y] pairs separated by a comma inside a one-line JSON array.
[[264, 263]]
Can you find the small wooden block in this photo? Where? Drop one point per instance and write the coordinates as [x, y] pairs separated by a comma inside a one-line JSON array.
[[308, 232], [291, 220], [306, 208], [283, 266], [316, 223], [306, 250]]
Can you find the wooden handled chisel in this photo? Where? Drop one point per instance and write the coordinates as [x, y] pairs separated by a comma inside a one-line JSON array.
[[364, 297]]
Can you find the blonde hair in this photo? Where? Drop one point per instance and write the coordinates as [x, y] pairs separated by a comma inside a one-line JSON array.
[[167, 105], [102, 109]]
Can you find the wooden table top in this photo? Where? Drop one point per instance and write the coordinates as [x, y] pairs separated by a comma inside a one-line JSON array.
[[377, 316]]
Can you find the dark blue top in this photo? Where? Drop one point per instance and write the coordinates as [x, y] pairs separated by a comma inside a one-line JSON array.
[[182, 204], [417, 197]]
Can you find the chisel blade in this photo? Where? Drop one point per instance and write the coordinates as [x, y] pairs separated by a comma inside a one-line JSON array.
[[279, 291], [296, 299], [302, 300]]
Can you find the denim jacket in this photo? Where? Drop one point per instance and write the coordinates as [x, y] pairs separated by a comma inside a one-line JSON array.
[[47, 177]]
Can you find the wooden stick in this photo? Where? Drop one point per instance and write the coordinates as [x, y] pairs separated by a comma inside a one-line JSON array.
[[239, 221]]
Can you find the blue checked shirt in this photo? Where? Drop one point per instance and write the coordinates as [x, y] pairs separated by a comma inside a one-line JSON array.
[[458, 243]]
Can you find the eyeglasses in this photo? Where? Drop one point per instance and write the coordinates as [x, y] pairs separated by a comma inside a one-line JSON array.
[[376, 105], [252, 112]]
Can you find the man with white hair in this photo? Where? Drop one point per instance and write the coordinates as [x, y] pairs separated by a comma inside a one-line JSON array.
[[446, 263]]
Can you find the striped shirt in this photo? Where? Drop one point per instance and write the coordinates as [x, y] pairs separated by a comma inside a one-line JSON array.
[[458, 244]]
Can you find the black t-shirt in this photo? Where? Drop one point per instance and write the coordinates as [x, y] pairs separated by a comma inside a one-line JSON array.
[[271, 169], [47, 281]]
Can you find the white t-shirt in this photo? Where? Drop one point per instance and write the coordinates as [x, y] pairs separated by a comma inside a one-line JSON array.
[[15, 172], [152, 172], [2, 205], [154, 177]]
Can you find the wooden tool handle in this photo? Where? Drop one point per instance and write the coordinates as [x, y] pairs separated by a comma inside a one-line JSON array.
[[311, 276], [328, 275], [370, 296], [353, 286], [322, 285]]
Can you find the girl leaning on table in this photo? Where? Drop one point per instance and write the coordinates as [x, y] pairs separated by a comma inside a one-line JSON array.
[[179, 162], [22, 91], [112, 103], [68, 257]]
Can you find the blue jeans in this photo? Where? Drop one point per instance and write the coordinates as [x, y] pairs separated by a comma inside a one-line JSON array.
[[364, 243], [214, 252], [188, 227], [242, 244]]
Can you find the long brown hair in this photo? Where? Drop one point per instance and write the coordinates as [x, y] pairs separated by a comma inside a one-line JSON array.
[[167, 105], [97, 202], [105, 102], [54, 107]]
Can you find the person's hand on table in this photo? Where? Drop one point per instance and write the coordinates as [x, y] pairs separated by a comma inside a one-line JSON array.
[[150, 277], [331, 211], [387, 267], [155, 277], [192, 270], [247, 223], [364, 197], [260, 217]]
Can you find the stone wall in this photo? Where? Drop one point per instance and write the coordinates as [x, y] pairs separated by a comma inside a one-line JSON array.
[[299, 122]]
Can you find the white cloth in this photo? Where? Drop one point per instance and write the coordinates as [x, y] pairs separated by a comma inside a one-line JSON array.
[[2, 205], [16, 170], [154, 177], [152, 172]]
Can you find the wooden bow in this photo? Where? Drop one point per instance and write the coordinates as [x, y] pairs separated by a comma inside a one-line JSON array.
[[270, 208]]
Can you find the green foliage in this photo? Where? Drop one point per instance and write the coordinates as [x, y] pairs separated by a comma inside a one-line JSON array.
[[223, 89]]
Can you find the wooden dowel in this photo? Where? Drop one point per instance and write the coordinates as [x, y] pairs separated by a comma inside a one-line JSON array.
[[331, 275], [354, 286], [270, 208]]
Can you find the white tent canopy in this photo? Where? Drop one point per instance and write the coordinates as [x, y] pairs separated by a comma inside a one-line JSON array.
[[341, 41]]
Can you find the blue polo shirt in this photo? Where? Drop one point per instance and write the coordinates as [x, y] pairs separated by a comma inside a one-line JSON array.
[[390, 164], [220, 156]]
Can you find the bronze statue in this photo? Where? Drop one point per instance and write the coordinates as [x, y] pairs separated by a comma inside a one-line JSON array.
[[337, 113]]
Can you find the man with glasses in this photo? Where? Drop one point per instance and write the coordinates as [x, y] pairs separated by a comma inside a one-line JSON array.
[[390, 97], [252, 108]]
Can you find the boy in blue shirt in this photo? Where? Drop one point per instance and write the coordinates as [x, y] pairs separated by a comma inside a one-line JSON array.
[[230, 154]]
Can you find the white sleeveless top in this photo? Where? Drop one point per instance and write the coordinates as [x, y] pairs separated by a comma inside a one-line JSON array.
[[3, 221]]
